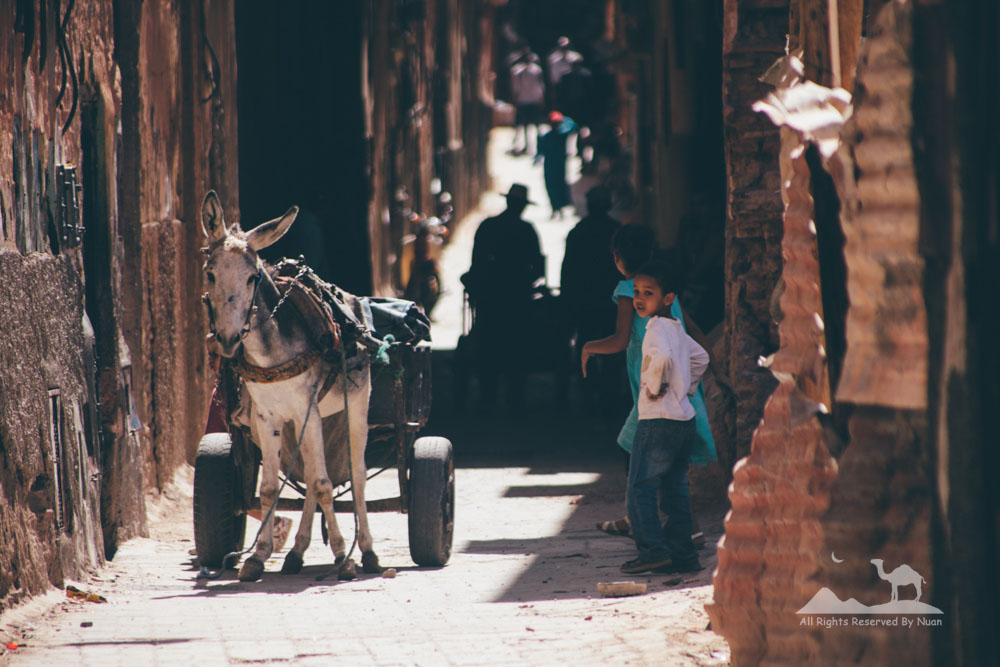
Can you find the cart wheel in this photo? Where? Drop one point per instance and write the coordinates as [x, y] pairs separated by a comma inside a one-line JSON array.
[[432, 501], [219, 528]]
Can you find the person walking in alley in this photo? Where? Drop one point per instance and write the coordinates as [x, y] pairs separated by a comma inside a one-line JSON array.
[[506, 262], [552, 149], [559, 63], [527, 83], [576, 95], [672, 364]]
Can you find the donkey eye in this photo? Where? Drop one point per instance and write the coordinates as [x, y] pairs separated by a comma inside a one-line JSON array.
[[251, 279], [211, 277]]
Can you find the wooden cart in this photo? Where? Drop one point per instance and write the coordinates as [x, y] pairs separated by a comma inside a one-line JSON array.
[[228, 463]]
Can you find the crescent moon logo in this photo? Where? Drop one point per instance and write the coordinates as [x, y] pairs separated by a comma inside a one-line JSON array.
[[834, 558]]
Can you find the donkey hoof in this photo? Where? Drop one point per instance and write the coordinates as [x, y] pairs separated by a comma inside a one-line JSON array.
[[347, 570], [252, 569], [369, 563], [292, 564]]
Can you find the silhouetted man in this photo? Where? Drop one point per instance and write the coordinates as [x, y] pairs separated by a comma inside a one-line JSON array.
[[506, 262], [587, 281]]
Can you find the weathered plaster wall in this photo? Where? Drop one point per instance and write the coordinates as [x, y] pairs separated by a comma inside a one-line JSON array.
[[182, 143], [49, 503], [144, 108], [753, 38], [50, 519]]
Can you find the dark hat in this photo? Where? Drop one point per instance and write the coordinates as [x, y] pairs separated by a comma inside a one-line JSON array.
[[518, 192]]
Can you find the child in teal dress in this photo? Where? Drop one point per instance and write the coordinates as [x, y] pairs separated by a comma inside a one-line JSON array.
[[633, 246]]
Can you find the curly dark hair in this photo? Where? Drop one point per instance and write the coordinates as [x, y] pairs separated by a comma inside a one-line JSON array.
[[634, 244], [664, 272]]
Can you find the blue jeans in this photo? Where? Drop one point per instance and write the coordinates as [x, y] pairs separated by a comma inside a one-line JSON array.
[[660, 454]]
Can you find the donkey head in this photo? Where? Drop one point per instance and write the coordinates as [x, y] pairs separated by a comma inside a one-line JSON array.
[[233, 270]]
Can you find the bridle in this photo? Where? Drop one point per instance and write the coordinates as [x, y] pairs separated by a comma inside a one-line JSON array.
[[252, 310]]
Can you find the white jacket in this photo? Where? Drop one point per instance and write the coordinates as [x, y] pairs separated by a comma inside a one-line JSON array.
[[669, 355]]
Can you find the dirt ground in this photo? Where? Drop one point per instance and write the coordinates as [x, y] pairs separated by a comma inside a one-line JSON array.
[[521, 587]]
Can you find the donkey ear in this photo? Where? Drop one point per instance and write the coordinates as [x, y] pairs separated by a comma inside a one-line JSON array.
[[268, 232], [213, 223]]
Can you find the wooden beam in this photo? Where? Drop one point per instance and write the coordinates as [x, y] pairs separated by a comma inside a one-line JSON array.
[[794, 25], [850, 18], [815, 41]]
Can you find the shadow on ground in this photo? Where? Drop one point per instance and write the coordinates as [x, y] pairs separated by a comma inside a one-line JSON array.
[[555, 434]]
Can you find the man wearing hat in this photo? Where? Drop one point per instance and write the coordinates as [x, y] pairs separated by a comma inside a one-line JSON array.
[[506, 262]]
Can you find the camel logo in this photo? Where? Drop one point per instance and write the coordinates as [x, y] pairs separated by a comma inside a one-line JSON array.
[[826, 601]]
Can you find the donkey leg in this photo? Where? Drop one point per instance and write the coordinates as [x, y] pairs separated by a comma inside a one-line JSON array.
[[294, 558], [318, 482], [270, 445], [359, 473], [369, 561], [346, 568]]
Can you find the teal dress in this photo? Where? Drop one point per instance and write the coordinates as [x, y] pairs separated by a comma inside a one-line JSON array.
[[704, 450]]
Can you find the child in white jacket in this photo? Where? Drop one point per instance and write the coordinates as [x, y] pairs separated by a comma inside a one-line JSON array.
[[672, 365]]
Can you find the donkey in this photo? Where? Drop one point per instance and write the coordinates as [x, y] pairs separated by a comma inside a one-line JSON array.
[[250, 326]]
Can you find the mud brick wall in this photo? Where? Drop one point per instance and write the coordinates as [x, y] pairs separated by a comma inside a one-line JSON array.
[[49, 504], [883, 499], [753, 38], [773, 542], [179, 135], [51, 494], [144, 111], [810, 489]]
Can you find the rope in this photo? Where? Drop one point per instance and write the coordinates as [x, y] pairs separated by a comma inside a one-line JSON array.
[[350, 461], [382, 356], [233, 556]]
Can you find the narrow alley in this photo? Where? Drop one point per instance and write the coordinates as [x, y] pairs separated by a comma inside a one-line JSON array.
[[521, 586], [240, 237]]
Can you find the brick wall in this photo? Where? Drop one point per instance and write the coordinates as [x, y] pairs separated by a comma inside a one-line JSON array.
[[754, 36]]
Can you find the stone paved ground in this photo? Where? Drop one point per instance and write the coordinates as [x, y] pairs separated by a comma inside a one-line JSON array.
[[520, 588]]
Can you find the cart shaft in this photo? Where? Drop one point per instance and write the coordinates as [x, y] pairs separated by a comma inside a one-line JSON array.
[[296, 504]]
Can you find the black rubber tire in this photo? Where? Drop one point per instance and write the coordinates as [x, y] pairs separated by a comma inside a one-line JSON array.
[[432, 501], [219, 528]]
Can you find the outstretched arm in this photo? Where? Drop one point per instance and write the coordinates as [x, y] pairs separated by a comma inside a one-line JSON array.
[[617, 341]]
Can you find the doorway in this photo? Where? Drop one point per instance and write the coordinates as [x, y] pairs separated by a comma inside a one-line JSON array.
[[301, 133]]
